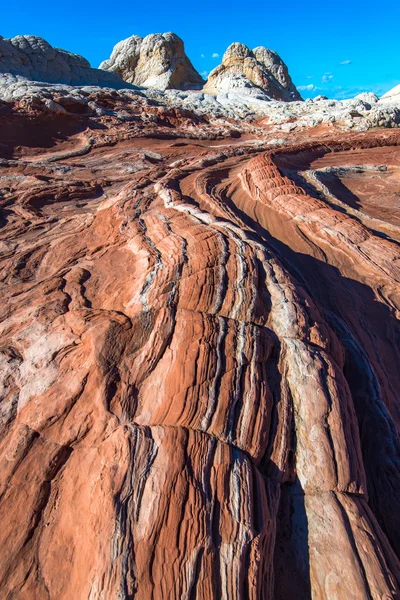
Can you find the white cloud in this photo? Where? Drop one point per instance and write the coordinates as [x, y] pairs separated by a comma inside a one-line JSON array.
[[345, 62], [309, 76], [306, 88], [204, 74], [327, 78], [340, 93], [215, 55], [202, 55]]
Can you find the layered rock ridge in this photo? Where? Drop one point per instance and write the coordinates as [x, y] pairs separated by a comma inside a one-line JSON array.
[[198, 350], [156, 61], [259, 72]]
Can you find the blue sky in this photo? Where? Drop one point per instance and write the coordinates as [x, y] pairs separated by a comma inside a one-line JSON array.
[[333, 48]]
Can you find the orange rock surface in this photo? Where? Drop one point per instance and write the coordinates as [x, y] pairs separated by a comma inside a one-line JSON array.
[[199, 356]]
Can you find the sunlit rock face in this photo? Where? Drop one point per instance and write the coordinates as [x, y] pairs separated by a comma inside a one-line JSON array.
[[156, 61], [199, 354], [259, 72]]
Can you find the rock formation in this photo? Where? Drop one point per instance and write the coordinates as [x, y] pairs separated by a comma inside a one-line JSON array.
[[259, 72], [31, 58], [199, 347], [156, 61]]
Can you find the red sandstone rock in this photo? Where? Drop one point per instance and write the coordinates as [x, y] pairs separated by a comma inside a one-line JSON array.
[[199, 364]]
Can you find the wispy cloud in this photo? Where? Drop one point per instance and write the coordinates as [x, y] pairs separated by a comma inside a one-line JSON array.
[[327, 78], [345, 62], [309, 76], [307, 88], [202, 55], [338, 92], [204, 74], [342, 93], [215, 55]]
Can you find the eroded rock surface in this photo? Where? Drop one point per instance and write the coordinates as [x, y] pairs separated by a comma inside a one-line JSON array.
[[156, 61], [260, 73], [199, 354]]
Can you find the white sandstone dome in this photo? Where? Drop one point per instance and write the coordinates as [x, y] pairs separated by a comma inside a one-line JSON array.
[[156, 61], [259, 72]]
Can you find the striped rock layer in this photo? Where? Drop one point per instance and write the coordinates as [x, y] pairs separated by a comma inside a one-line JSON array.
[[199, 351]]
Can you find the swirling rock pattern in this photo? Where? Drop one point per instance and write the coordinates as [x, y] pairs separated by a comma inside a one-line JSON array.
[[199, 350]]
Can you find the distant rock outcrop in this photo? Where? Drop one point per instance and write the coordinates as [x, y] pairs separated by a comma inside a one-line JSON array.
[[259, 72], [32, 58], [156, 61], [392, 95]]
